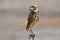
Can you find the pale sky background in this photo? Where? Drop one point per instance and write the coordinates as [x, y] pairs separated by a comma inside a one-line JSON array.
[[46, 5]]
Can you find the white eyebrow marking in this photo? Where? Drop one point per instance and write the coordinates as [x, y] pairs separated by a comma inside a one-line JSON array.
[[36, 11]]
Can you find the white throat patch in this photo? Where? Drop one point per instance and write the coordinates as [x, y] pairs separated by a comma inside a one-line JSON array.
[[36, 11]]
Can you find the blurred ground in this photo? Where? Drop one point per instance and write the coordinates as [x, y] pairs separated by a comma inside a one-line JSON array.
[[12, 28], [14, 13]]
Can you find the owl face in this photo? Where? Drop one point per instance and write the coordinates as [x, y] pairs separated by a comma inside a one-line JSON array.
[[34, 8]]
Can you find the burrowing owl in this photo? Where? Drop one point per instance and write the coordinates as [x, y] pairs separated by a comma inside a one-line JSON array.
[[33, 17]]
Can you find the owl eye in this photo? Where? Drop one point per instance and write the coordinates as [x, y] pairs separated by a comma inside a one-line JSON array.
[[32, 6]]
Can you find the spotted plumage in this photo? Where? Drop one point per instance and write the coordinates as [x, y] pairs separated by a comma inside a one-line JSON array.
[[33, 17]]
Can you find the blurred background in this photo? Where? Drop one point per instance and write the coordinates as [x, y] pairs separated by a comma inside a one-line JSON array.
[[14, 13]]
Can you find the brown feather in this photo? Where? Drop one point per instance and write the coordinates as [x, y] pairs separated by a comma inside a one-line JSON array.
[[32, 20]]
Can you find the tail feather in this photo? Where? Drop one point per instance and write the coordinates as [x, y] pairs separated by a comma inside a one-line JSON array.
[[27, 28]]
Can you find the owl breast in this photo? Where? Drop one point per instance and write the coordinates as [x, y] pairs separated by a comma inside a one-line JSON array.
[[32, 19]]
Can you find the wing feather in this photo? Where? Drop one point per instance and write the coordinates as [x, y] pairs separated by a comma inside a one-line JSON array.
[[32, 20]]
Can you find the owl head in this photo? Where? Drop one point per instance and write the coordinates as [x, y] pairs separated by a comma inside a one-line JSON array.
[[34, 8]]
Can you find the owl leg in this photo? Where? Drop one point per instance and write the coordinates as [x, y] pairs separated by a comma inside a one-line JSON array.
[[32, 35], [31, 32]]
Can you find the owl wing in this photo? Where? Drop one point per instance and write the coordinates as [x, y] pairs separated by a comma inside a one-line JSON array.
[[32, 20]]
